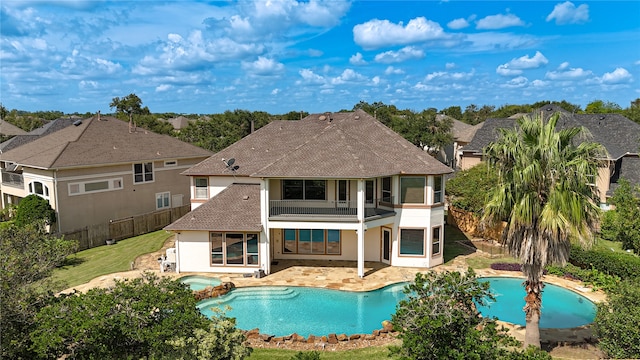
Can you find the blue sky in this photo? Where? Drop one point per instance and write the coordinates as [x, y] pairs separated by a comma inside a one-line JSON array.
[[286, 55]]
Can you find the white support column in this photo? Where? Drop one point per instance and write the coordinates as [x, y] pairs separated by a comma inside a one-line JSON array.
[[265, 243], [360, 231]]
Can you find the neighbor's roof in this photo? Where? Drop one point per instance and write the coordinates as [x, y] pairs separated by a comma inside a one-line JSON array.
[[332, 145], [629, 169], [236, 208], [615, 132], [10, 129], [44, 130], [100, 141]]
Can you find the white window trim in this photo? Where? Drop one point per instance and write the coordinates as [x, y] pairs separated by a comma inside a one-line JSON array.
[[153, 173], [81, 186], [170, 163], [441, 191], [164, 194], [45, 189]]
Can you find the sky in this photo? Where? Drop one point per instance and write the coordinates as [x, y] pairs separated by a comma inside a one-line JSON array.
[[205, 57]]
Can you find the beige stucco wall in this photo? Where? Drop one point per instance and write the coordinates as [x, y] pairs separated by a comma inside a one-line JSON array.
[[468, 161]]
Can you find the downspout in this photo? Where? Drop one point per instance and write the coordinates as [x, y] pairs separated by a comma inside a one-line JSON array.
[[55, 187], [177, 252]]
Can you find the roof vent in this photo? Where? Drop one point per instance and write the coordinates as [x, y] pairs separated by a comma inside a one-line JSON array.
[[601, 117], [549, 108], [77, 123], [322, 118], [245, 197]]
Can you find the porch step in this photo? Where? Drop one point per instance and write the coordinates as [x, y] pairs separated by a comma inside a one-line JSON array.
[[254, 293]]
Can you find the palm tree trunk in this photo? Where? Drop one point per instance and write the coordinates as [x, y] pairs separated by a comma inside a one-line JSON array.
[[532, 313]]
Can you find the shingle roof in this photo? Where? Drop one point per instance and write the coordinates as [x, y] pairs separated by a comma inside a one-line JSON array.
[[629, 170], [236, 208], [615, 132], [99, 142], [10, 129], [44, 130], [338, 145]]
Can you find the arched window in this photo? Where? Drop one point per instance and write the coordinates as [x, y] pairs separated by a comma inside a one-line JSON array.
[[38, 188]]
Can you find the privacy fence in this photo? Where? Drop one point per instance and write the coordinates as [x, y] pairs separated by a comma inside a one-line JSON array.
[[98, 234]]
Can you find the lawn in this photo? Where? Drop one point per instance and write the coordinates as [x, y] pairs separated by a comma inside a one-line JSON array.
[[88, 264], [374, 352]]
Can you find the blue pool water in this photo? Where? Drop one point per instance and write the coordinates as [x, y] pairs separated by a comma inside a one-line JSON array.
[[280, 310], [196, 282], [561, 308]]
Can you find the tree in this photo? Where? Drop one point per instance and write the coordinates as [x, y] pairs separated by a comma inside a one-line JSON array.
[[602, 107], [453, 111], [544, 195], [146, 317], [439, 320], [468, 189], [129, 105], [622, 223], [28, 257], [33, 210], [425, 130]]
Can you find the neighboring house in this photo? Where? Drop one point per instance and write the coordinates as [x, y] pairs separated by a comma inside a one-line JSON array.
[[97, 170], [46, 129], [462, 135], [179, 122], [334, 186], [619, 135], [8, 129]]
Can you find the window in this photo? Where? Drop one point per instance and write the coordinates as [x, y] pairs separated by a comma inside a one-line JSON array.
[[39, 189], [202, 188], [386, 190], [437, 189], [435, 241], [369, 191], [163, 200], [412, 190], [142, 173], [304, 189], [170, 163], [95, 186], [411, 241], [311, 241], [235, 249]]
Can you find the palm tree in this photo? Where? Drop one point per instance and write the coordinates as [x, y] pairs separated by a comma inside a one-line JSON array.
[[547, 196]]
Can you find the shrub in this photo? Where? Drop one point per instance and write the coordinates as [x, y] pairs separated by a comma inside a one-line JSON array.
[[506, 266], [33, 209], [468, 189], [594, 277], [307, 355], [625, 266], [616, 322]]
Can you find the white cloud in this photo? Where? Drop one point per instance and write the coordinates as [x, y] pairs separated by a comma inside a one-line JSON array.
[[517, 82], [499, 21], [492, 41], [315, 53], [309, 77], [357, 59], [449, 65], [163, 87], [348, 75], [263, 66], [392, 70], [88, 85], [539, 83], [564, 72], [275, 91], [404, 54], [458, 24], [618, 76], [376, 33], [516, 65], [568, 13], [376, 80], [443, 75]]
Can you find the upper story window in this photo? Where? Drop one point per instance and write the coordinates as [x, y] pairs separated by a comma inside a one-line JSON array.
[[386, 190], [304, 189], [412, 189], [95, 186], [437, 189], [202, 188], [170, 163], [142, 173], [38, 188]]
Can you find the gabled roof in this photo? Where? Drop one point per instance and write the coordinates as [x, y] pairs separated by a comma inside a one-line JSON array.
[[337, 145], [179, 122], [236, 208], [619, 135], [10, 129], [629, 169], [100, 141], [44, 130]]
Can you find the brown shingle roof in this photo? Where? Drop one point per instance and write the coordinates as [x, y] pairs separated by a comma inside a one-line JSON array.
[[99, 142], [236, 208], [339, 145], [10, 129]]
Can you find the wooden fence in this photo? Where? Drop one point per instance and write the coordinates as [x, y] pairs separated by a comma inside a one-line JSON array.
[[96, 235]]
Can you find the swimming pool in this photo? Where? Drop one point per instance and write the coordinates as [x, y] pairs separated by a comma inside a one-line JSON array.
[[561, 308], [196, 282], [282, 310]]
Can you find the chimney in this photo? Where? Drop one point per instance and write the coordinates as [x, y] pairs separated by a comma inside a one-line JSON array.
[[253, 126], [98, 115]]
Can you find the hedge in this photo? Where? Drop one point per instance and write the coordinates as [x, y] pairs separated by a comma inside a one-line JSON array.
[[625, 266]]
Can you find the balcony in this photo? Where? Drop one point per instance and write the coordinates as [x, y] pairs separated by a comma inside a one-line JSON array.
[[12, 179], [341, 211]]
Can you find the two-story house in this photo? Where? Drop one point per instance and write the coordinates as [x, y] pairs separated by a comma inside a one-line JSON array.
[[99, 169], [619, 135], [333, 186]]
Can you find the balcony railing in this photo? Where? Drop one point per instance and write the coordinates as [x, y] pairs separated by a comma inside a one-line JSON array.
[[12, 179], [329, 209]]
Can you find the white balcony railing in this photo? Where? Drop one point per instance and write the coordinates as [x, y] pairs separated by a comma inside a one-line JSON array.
[[329, 208]]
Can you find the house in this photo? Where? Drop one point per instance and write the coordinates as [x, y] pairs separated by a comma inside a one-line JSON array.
[[8, 129], [97, 170], [333, 186], [462, 135], [619, 135], [46, 129]]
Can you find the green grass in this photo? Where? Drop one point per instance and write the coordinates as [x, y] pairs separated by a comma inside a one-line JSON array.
[[374, 352], [607, 245], [452, 247], [88, 264]]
